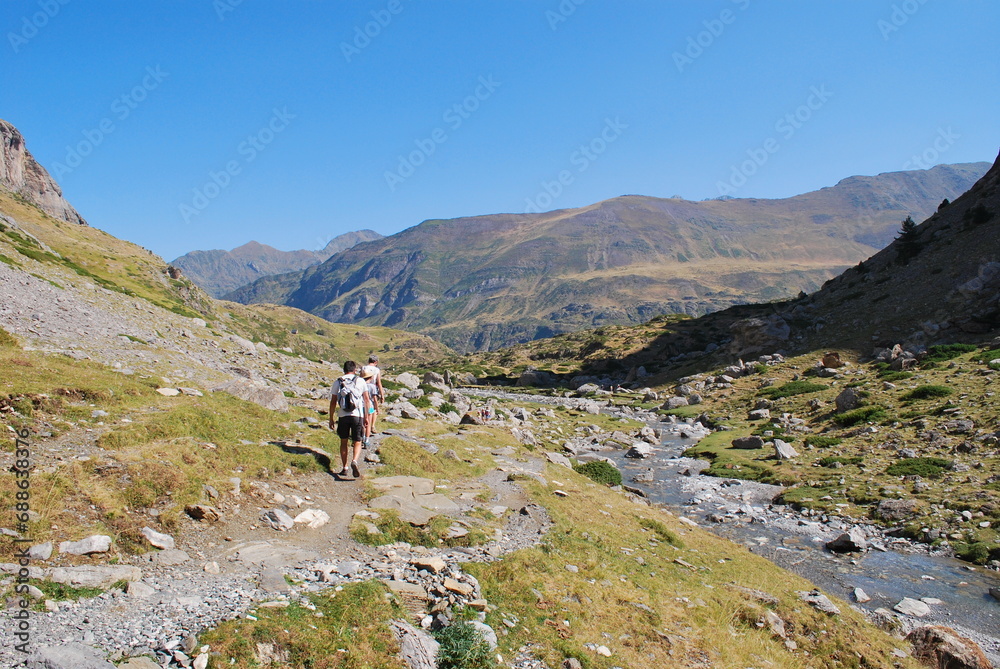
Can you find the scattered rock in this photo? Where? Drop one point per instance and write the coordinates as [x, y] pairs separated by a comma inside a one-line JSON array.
[[748, 442], [98, 543], [209, 514], [68, 656], [417, 648], [944, 648], [639, 450], [860, 596], [313, 518], [912, 607], [158, 539], [784, 451], [852, 541], [278, 519], [819, 601], [96, 576], [848, 400]]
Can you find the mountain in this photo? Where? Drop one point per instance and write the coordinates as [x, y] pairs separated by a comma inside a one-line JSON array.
[[220, 272], [484, 282], [21, 174], [942, 286]]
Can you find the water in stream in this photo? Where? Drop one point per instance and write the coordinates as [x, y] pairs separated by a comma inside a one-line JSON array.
[[798, 545]]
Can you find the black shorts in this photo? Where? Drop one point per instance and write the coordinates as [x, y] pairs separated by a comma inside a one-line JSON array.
[[350, 427]]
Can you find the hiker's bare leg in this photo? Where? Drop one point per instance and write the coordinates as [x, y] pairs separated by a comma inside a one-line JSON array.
[[343, 454]]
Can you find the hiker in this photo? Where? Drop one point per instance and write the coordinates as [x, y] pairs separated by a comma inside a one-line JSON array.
[[348, 401], [371, 406], [375, 372]]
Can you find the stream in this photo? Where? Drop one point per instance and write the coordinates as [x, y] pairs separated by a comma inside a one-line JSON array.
[[741, 511]]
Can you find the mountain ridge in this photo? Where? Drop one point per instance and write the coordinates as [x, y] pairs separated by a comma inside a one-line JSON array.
[[219, 272], [517, 277]]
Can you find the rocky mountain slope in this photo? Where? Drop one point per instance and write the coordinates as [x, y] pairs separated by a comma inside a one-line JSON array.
[[520, 277], [21, 175], [220, 272]]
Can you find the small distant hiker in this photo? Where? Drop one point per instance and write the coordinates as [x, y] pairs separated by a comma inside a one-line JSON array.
[[348, 401], [373, 373], [371, 407]]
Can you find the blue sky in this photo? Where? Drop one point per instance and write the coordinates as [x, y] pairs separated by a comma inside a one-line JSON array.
[[197, 124]]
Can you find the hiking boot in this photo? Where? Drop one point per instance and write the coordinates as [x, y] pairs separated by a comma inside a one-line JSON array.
[[355, 469], [342, 473]]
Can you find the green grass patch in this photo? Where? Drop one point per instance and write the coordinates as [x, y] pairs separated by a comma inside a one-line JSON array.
[[355, 619], [978, 552], [600, 472], [811, 497], [463, 647], [834, 459], [422, 402], [792, 388], [662, 531], [8, 340], [871, 414], [926, 392], [944, 352], [928, 467], [821, 441]]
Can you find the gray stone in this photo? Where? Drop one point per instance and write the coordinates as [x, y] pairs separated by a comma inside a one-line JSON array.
[[269, 398], [860, 596], [760, 414], [94, 576], [278, 519], [938, 646], [157, 539], [273, 581], [140, 590], [639, 451], [68, 656], [852, 541], [40, 551], [558, 459], [848, 400], [750, 442], [784, 450], [675, 403], [819, 601], [893, 510], [98, 543], [912, 607], [411, 381], [169, 557], [417, 648], [485, 632]]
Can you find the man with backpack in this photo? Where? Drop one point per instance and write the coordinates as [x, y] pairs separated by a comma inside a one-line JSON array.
[[348, 401]]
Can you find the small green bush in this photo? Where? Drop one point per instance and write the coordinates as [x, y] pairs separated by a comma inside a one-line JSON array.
[[792, 388], [893, 375], [448, 407], [977, 553], [928, 467], [833, 459], [943, 352], [821, 441], [863, 415], [463, 647], [926, 393], [422, 402], [600, 471]]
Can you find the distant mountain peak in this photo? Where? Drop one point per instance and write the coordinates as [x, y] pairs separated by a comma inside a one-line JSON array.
[[21, 174]]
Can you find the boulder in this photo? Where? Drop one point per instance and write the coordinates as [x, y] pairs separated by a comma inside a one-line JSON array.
[[68, 656], [278, 519], [784, 451], [748, 443], [848, 400], [675, 403], [819, 601], [98, 543], [417, 648], [208, 514], [944, 648], [894, 510], [87, 576], [40, 551], [411, 381], [639, 451], [434, 379], [759, 414], [313, 518], [558, 459], [533, 378], [832, 360], [470, 419], [269, 398], [852, 541], [912, 607], [157, 539]]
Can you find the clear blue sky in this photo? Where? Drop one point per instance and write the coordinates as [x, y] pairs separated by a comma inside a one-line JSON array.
[[873, 84]]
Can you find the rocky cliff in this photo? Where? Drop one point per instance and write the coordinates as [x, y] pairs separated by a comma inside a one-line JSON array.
[[21, 174]]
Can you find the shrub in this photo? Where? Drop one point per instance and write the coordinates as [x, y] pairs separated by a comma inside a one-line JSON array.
[[601, 472], [463, 647], [943, 352], [662, 531], [821, 441], [448, 407], [833, 459], [978, 552], [862, 415], [422, 402], [792, 388], [928, 467], [892, 375], [926, 393]]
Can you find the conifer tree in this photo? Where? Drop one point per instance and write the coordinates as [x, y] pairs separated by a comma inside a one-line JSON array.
[[907, 245]]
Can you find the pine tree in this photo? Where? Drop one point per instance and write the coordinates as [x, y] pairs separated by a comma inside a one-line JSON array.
[[907, 245]]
